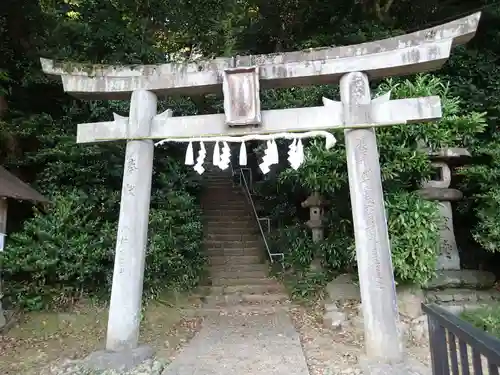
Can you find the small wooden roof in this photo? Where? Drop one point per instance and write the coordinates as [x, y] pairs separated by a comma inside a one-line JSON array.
[[13, 187]]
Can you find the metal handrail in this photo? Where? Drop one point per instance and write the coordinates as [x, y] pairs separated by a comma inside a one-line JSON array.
[[445, 330], [246, 189]]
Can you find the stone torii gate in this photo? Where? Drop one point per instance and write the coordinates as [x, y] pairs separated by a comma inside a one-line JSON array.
[[240, 79]]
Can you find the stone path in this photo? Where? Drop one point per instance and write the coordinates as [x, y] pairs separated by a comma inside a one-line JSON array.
[[264, 344]]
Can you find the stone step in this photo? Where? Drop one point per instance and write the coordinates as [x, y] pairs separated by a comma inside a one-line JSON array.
[[231, 237], [225, 220], [241, 269], [223, 209], [212, 187], [236, 222], [219, 180], [218, 174], [215, 300], [215, 172], [220, 194], [231, 229], [216, 191], [233, 251], [215, 244], [231, 212], [216, 281], [229, 220], [254, 229], [217, 187], [234, 260], [226, 234], [248, 308], [218, 216], [225, 205], [226, 195], [249, 289], [221, 214], [244, 275], [227, 200]]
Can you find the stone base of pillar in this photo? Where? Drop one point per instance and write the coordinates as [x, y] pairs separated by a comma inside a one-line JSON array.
[[3, 320], [315, 265], [123, 360], [406, 367]]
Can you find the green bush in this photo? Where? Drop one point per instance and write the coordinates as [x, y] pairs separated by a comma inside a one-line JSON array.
[[480, 183], [69, 251], [174, 259], [59, 255], [414, 232], [487, 319], [413, 229], [295, 243], [413, 222], [487, 229]]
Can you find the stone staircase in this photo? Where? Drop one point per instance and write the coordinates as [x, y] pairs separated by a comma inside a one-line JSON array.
[[238, 272]]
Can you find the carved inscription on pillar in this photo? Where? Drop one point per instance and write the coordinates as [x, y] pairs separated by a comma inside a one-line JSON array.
[[241, 96], [130, 189], [120, 256], [131, 164], [361, 155], [449, 258]]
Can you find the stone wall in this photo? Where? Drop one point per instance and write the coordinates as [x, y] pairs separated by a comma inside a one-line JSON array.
[[343, 308], [455, 291], [458, 296]]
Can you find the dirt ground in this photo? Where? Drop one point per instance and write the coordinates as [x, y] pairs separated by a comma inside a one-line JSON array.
[[38, 339], [338, 352]]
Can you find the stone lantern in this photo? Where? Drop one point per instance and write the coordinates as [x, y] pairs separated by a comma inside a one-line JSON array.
[[438, 189], [315, 204]]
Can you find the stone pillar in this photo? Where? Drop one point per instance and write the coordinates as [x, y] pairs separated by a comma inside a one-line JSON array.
[[3, 231], [439, 190], [376, 278], [131, 242]]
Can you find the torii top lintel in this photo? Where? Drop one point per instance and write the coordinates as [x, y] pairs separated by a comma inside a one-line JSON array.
[[421, 51]]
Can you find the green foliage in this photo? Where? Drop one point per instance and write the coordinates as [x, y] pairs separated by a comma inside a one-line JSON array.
[[485, 318], [294, 242], [456, 126], [336, 254], [487, 230], [337, 251], [37, 132], [69, 251], [413, 222], [307, 287], [174, 260], [481, 181], [414, 232], [60, 255]]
